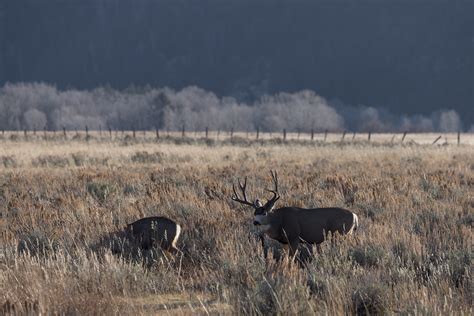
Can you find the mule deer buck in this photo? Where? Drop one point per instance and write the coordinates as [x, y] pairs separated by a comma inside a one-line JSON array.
[[151, 231], [294, 225]]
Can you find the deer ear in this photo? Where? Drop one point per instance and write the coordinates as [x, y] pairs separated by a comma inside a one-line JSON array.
[[258, 203], [271, 204]]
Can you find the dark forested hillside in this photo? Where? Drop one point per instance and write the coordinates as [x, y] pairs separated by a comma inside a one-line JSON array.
[[2, 41], [408, 56]]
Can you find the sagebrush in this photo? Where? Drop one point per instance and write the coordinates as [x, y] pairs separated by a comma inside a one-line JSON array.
[[63, 204]]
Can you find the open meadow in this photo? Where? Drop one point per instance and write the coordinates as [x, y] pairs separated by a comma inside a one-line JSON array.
[[62, 201]]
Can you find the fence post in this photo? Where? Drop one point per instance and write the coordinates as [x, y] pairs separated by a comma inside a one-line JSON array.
[[64, 131], [24, 132], [370, 134], [404, 135], [258, 132], [110, 132], [207, 132], [459, 138], [183, 131], [133, 131], [232, 133], [44, 131], [157, 133], [87, 132], [284, 134], [343, 135], [100, 130], [436, 140], [312, 134], [325, 135], [34, 131]]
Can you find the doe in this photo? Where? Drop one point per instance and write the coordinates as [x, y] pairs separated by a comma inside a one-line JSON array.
[[157, 230]]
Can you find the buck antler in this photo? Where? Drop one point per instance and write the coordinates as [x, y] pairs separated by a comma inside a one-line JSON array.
[[276, 195], [243, 187]]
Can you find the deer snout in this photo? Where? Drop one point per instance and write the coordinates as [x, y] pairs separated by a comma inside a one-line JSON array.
[[260, 219]]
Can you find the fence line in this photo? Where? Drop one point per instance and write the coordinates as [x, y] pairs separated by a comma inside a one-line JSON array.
[[284, 135]]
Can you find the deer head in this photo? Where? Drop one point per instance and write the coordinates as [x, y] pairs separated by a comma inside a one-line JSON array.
[[261, 210]]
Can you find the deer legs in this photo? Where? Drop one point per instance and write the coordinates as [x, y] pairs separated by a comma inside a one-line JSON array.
[[293, 247]]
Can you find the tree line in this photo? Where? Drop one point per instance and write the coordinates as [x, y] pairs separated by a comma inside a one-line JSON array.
[[43, 106]]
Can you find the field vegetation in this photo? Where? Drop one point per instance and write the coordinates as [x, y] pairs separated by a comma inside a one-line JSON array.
[[62, 204]]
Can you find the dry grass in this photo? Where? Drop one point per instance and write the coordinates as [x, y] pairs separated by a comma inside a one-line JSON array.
[[61, 202]]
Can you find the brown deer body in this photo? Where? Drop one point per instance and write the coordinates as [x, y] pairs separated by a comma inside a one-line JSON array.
[[293, 225], [155, 231]]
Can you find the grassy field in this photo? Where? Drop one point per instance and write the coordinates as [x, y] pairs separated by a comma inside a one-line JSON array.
[[61, 201]]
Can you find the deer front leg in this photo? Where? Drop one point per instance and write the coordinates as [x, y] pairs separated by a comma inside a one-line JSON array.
[[291, 233], [293, 245], [261, 237]]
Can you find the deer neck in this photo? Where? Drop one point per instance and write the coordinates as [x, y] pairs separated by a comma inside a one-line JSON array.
[[271, 225]]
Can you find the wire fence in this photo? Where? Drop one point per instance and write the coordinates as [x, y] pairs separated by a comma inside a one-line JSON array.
[[286, 136]]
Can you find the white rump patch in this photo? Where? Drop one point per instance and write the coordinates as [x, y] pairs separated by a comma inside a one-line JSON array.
[[178, 232], [355, 223]]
